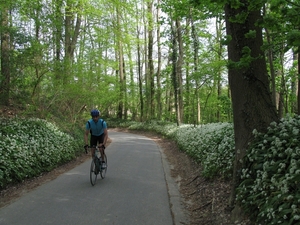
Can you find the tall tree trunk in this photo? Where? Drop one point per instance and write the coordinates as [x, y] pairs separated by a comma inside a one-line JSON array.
[[294, 88], [121, 64], [159, 64], [251, 98], [38, 56], [196, 101], [188, 94], [5, 58], [179, 72], [57, 34], [150, 72], [282, 91], [139, 65], [132, 86], [174, 69], [140, 78], [272, 70], [219, 29], [145, 59], [271, 59], [124, 88], [72, 29]]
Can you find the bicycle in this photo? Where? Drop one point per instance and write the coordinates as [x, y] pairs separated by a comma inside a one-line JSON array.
[[96, 166]]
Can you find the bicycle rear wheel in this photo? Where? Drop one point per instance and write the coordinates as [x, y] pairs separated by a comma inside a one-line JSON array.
[[103, 171], [93, 172]]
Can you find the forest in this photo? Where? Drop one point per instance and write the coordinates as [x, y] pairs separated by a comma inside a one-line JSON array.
[[139, 60], [182, 61]]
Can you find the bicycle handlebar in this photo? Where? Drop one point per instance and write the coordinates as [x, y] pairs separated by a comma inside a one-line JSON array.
[[86, 147]]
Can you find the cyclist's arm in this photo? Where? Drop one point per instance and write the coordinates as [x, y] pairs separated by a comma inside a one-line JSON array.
[[86, 135], [105, 136]]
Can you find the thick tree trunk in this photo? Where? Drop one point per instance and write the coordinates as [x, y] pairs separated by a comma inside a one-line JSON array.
[[251, 98]]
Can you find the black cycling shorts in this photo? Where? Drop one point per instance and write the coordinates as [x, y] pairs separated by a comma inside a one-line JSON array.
[[96, 139]]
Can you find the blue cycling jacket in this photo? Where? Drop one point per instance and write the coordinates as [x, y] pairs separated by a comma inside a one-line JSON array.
[[96, 129]]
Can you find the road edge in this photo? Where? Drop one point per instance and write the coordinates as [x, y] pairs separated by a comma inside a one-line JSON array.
[[178, 211]]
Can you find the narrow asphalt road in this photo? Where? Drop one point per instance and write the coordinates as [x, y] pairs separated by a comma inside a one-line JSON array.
[[137, 190]]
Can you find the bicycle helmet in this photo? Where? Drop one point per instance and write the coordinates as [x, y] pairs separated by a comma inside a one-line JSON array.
[[95, 112]]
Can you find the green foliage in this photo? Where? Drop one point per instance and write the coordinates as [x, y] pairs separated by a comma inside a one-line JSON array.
[[251, 34], [269, 190], [245, 60], [211, 145], [293, 38], [226, 39], [29, 147]]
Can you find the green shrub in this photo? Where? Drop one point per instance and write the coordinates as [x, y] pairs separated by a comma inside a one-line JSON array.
[[29, 147], [270, 190], [211, 145]]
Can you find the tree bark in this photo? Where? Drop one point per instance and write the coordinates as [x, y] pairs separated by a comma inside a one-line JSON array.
[[174, 69], [121, 66], [179, 72], [71, 35], [251, 98], [150, 72], [196, 99], [159, 64]]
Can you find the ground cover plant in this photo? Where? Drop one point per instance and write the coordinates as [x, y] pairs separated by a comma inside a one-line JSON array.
[[270, 190], [29, 147]]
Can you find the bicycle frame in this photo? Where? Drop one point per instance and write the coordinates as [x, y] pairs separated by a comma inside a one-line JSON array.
[[96, 165]]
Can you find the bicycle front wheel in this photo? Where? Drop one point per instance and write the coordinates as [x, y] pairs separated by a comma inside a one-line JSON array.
[[93, 173], [103, 170]]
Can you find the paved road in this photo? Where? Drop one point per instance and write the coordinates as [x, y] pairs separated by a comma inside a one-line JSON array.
[[137, 190]]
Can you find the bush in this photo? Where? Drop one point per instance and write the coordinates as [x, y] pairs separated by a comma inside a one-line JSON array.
[[29, 147], [270, 190], [211, 145]]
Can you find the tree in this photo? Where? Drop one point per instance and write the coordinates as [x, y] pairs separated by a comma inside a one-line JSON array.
[[150, 72], [287, 13], [72, 30], [159, 62], [251, 97]]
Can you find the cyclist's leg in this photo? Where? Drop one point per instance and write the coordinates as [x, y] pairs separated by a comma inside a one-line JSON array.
[[93, 142], [100, 141]]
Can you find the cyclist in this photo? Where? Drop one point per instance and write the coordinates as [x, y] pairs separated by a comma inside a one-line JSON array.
[[98, 129]]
